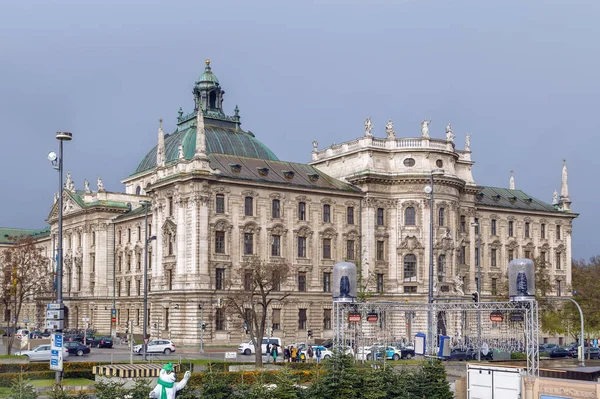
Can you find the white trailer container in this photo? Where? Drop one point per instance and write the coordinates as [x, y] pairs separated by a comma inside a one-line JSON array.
[[493, 382]]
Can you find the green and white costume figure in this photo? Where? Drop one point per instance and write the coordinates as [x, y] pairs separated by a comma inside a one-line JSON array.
[[166, 387]]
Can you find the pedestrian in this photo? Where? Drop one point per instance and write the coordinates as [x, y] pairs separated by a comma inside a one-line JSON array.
[[286, 354], [318, 354], [274, 353], [268, 352], [310, 353], [294, 353]]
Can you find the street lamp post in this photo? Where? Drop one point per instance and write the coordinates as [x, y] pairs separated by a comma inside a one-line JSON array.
[[61, 137], [429, 190], [201, 307], [147, 240], [478, 262]]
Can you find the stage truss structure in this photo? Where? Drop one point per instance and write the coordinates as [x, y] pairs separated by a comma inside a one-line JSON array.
[[497, 326]]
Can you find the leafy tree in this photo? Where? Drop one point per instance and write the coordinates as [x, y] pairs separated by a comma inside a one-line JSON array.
[[22, 389], [24, 274], [587, 295], [251, 291]]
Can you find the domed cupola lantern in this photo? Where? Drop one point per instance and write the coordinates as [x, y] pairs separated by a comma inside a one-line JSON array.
[[207, 91]]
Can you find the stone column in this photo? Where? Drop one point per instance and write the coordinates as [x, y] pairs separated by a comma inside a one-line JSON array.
[[471, 256], [193, 207], [179, 269], [394, 241], [368, 251], [86, 266], [568, 265], [157, 266]]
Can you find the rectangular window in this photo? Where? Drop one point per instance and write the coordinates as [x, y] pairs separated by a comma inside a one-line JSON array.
[[463, 224], [220, 203], [542, 230], [149, 229], [248, 280], [543, 256], [494, 227], [476, 226], [92, 286], [302, 247], [128, 262], [248, 206], [276, 277], [137, 317], [477, 256], [326, 282], [511, 226], [275, 245], [350, 249], [477, 287], [219, 242], [169, 279], [139, 233], [128, 235], [558, 232], [493, 252], [220, 319], [219, 278], [326, 319], [511, 254], [380, 283], [248, 243], [118, 288], [276, 319], [275, 209], [326, 248], [170, 199], [380, 250], [558, 265], [93, 262], [120, 235], [494, 286], [139, 287], [301, 319], [350, 215], [528, 254], [149, 260], [462, 255], [441, 268], [379, 216], [558, 288], [527, 229], [327, 213], [302, 281], [93, 238], [410, 289], [301, 210], [149, 284]]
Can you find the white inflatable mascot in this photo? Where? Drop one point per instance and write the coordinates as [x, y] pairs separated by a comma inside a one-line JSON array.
[[167, 388]]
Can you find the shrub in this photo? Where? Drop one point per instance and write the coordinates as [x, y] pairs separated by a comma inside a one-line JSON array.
[[21, 389], [518, 356]]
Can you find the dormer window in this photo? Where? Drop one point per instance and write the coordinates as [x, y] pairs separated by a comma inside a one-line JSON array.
[[235, 167], [263, 171], [288, 174], [313, 177]]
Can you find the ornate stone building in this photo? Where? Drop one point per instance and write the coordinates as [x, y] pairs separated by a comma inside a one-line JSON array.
[[218, 196]]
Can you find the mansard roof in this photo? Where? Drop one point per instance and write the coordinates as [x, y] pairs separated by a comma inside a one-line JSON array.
[[512, 199], [7, 232], [277, 172]]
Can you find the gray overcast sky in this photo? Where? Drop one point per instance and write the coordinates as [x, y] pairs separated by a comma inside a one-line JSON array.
[[522, 77]]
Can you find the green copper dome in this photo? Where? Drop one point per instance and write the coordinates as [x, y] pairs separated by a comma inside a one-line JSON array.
[[208, 79]]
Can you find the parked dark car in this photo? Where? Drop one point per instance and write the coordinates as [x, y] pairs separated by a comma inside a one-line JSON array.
[[594, 353], [100, 342], [73, 338], [559, 352], [469, 354], [76, 348]]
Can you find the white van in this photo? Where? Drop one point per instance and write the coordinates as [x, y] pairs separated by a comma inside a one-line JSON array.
[[248, 347]]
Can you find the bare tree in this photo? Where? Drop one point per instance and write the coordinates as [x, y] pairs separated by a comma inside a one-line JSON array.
[[251, 291], [24, 274]]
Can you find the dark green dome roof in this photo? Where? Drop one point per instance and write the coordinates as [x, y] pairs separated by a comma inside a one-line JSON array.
[[219, 140]]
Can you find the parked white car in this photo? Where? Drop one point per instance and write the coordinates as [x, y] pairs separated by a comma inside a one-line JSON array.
[[156, 346], [41, 353], [22, 333], [247, 348]]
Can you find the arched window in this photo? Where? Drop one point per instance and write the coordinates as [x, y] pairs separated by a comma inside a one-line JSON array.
[[409, 216], [138, 190], [441, 216], [410, 267]]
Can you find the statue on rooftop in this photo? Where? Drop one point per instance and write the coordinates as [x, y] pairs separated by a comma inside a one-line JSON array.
[[368, 127], [555, 198], [449, 134], [70, 184], [425, 129], [86, 185], [389, 130], [100, 184], [315, 144], [180, 154], [468, 142]]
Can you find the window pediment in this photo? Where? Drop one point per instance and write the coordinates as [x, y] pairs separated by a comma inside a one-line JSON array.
[[249, 193], [276, 196], [302, 198], [277, 229], [250, 227], [328, 233], [303, 231], [221, 225], [327, 201]]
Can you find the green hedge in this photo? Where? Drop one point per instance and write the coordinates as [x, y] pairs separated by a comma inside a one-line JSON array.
[[6, 379], [45, 366], [518, 356]]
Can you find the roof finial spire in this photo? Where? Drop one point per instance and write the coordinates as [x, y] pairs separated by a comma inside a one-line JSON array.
[[160, 148], [565, 202], [200, 135], [512, 180]]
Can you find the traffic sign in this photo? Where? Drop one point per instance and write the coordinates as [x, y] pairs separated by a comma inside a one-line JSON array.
[[85, 319], [25, 320], [55, 306], [56, 352], [145, 341]]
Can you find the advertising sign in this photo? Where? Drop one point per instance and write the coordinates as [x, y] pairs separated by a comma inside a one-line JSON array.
[[354, 317], [56, 352]]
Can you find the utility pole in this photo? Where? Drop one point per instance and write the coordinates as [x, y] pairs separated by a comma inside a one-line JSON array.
[[147, 240]]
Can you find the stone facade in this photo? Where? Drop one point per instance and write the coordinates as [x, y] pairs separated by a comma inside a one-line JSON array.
[[362, 201]]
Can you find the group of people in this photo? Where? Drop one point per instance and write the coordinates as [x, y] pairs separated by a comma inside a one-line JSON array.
[[294, 354]]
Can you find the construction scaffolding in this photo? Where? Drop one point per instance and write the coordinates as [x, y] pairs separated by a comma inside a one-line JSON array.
[[494, 326]]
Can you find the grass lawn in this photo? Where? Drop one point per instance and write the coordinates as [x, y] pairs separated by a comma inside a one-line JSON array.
[[12, 357]]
